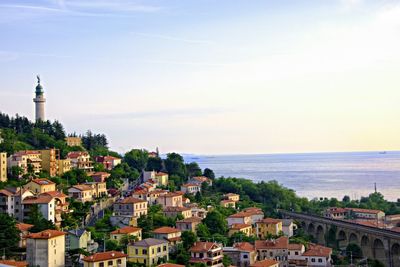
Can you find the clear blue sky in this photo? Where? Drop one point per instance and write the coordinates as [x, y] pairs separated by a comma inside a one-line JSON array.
[[209, 76]]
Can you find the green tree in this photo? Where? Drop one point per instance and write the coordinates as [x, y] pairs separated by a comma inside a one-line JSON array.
[[209, 173], [216, 223], [111, 245], [175, 165], [202, 232], [9, 233], [226, 261], [188, 239], [193, 169], [39, 222], [355, 250], [154, 164], [137, 159]]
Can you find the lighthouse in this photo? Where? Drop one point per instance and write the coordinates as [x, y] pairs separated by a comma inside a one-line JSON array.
[[39, 101]]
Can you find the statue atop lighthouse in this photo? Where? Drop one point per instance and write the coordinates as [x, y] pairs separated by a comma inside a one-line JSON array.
[[39, 101]]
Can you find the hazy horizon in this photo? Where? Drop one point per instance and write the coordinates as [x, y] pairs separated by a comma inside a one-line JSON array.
[[209, 77]]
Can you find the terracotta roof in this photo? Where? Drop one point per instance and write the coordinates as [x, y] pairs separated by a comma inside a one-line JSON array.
[[317, 251], [231, 195], [203, 246], [240, 215], [102, 256], [364, 210], [227, 201], [333, 210], [131, 200], [99, 174], [166, 230], [46, 234], [295, 246], [265, 263], [149, 242], [161, 173], [189, 184], [172, 194], [6, 192], [127, 230], [54, 194], [244, 246], [40, 199], [201, 178], [190, 220], [238, 226], [26, 152], [175, 209], [170, 265], [77, 154], [279, 243], [24, 226], [270, 221], [42, 181], [14, 263], [82, 187], [395, 229]]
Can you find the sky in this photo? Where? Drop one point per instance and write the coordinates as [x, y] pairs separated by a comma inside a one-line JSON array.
[[209, 76]]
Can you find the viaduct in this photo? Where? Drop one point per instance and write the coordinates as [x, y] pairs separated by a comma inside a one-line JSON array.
[[375, 243]]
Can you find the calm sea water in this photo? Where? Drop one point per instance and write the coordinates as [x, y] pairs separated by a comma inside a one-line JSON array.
[[315, 174]]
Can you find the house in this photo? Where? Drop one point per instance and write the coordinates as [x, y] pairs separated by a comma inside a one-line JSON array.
[[49, 160], [288, 227], [247, 216], [336, 213], [109, 162], [199, 212], [63, 166], [42, 185], [105, 259], [190, 188], [80, 239], [266, 263], [226, 203], [171, 199], [3, 167], [60, 205], [46, 204], [209, 253], [13, 263], [130, 231], [175, 211], [154, 195], [81, 192], [99, 177], [232, 196], [24, 231], [199, 180], [267, 227], [80, 160], [161, 178], [130, 206], [295, 252], [242, 254], [73, 141], [11, 201], [149, 251], [240, 227], [99, 189], [27, 160], [172, 235], [188, 224], [276, 249], [366, 214], [46, 248], [317, 255]]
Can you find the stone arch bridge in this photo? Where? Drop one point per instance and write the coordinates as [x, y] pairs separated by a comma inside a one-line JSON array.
[[375, 243]]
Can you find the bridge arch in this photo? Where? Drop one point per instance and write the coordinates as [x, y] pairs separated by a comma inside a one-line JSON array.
[[342, 239], [320, 235], [311, 229], [353, 238], [378, 249], [395, 251], [366, 246]]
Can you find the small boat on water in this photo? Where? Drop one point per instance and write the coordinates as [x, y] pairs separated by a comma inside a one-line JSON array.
[[382, 152]]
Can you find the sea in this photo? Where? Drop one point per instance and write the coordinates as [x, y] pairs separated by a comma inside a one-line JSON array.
[[315, 175]]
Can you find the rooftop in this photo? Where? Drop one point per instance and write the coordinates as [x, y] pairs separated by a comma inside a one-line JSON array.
[[131, 200], [13, 263], [102, 256], [24, 226], [279, 243], [317, 251], [203, 246], [265, 263], [166, 230], [46, 234], [190, 220], [149, 242], [42, 181], [270, 221], [127, 230]]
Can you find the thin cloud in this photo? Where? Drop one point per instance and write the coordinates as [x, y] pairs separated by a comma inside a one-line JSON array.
[[6, 56], [191, 63], [173, 38]]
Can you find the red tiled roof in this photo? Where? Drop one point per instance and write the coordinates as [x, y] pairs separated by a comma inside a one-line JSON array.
[[24, 226], [161, 173], [190, 220], [77, 154], [270, 221], [364, 210], [126, 230], [40, 199], [279, 243], [265, 263], [82, 187], [42, 181], [131, 200], [245, 246], [189, 184], [6, 192], [55, 194], [175, 209], [102, 256], [317, 251], [46, 234], [238, 226], [295, 246], [203, 246], [166, 230], [14, 263]]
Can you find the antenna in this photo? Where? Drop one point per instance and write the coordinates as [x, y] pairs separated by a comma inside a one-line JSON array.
[[375, 187]]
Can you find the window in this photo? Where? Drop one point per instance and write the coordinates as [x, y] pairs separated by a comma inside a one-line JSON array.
[[110, 263], [271, 254], [144, 251], [312, 260], [136, 251], [101, 264], [165, 248], [319, 260], [119, 261], [159, 249], [245, 256]]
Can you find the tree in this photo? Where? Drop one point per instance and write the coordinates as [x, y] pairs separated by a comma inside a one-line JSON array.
[[193, 169], [216, 223], [188, 239], [137, 159], [209, 173], [355, 250], [9, 233], [175, 165], [202, 232], [226, 261], [112, 245], [154, 164], [39, 222], [198, 197]]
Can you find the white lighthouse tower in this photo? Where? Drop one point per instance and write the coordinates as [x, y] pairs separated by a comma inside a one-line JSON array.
[[39, 101]]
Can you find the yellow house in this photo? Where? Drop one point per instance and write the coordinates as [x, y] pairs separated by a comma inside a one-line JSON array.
[[268, 226], [81, 192], [232, 196], [3, 167], [149, 252], [226, 203], [105, 259], [171, 199], [241, 227], [40, 185], [99, 189], [175, 211], [63, 166], [73, 141], [162, 178], [172, 235], [118, 234], [49, 160]]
